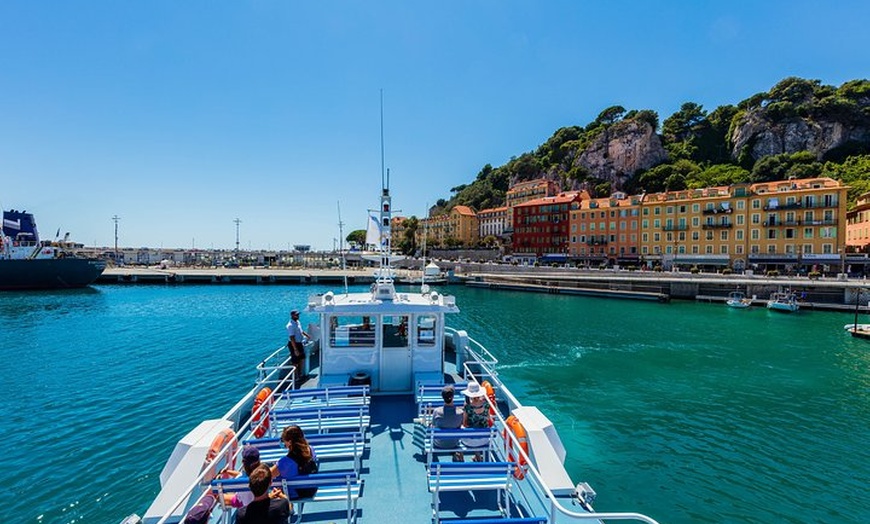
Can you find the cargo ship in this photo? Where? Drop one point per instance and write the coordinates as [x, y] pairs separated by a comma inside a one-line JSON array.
[[26, 262]]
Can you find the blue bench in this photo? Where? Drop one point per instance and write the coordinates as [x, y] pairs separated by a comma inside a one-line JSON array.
[[468, 476], [496, 520], [426, 409], [321, 419], [426, 392], [331, 487], [433, 434], [327, 446], [324, 397]]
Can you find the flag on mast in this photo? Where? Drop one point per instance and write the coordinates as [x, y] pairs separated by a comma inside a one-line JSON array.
[[373, 231]]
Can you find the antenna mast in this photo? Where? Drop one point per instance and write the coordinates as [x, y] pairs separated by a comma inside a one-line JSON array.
[[341, 246]]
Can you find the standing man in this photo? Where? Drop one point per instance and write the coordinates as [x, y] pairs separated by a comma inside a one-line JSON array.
[[295, 342]]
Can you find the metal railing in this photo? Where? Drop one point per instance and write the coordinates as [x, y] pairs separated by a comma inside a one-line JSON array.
[[268, 373]]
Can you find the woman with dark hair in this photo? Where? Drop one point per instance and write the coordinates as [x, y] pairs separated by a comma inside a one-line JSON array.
[[300, 460]]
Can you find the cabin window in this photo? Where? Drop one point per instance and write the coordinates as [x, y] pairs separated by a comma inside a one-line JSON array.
[[352, 331], [426, 330], [395, 331]]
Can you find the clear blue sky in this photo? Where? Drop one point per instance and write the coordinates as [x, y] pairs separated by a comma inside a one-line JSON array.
[[182, 116]]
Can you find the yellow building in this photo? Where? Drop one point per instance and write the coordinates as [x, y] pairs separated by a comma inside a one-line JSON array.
[[456, 228], [525, 191], [770, 225]]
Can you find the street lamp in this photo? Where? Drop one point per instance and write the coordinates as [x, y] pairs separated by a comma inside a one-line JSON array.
[[115, 219]]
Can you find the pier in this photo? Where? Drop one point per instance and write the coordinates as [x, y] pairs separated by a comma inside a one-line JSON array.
[[834, 294]]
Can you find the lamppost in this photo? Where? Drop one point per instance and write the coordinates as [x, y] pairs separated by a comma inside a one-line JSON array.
[[115, 219], [237, 221]]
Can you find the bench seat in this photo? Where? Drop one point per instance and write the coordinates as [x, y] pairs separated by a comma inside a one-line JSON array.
[[331, 487], [469, 476], [321, 419], [327, 446], [430, 435]]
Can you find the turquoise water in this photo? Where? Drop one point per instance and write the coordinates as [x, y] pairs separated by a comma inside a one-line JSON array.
[[686, 412]]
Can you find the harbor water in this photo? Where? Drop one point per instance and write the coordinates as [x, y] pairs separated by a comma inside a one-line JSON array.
[[686, 412]]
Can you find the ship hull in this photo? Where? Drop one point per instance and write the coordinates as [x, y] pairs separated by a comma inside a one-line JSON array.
[[55, 273]]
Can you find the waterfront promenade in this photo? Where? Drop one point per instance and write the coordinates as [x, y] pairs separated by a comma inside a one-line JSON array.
[[824, 293]]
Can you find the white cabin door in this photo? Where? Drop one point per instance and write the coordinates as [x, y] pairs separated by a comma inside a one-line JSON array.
[[396, 369]]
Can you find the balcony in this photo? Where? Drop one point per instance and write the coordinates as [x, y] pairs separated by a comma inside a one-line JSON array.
[[726, 225], [793, 205], [718, 210], [677, 227], [794, 223], [596, 242]]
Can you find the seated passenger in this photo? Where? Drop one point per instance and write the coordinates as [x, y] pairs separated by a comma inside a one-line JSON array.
[[300, 460], [266, 508], [448, 417], [250, 462], [476, 415]]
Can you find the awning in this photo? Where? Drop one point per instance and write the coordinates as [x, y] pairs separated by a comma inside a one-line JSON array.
[[702, 260]]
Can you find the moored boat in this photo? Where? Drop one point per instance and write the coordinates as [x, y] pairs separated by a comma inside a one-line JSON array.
[[376, 365], [28, 263], [738, 300], [784, 301]]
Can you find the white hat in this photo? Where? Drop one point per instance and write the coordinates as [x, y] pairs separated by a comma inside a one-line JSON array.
[[473, 390]]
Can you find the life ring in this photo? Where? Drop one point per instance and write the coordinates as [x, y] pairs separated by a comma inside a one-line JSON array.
[[221, 440], [490, 393], [513, 424], [260, 412]]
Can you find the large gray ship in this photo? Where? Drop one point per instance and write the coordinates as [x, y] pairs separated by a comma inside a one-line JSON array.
[[28, 263]]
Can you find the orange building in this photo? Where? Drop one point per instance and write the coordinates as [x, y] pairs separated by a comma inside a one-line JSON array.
[[606, 231]]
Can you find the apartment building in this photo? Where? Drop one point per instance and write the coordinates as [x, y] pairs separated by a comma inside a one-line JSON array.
[[541, 226], [606, 230], [770, 225], [458, 227], [858, 225], [492, 221], [525, 191]]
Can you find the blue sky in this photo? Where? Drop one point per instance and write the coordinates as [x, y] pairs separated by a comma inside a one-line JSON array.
[[182, 116]]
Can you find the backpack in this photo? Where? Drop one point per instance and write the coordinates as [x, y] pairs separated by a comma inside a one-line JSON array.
[[308, 468]]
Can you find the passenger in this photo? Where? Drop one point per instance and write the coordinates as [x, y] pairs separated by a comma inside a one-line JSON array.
[[250, 462], [295, 342], [476, 415], [448, 417], [266, 508], [300, 460]]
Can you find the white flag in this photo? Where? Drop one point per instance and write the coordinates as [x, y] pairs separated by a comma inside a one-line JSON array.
[[373, 231]]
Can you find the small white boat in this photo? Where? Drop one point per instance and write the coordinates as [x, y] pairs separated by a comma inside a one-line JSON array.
[[783, 301], [737, 299]]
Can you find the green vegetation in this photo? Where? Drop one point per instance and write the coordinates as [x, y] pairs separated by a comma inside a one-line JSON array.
[[699, 147]]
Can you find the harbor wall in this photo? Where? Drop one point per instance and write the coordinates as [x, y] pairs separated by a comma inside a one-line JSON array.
[[836, 294]]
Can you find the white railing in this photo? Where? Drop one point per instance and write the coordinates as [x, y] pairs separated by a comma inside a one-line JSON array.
[[268, 373]]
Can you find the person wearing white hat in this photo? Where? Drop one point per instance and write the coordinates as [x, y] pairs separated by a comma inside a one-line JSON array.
[[475, 415]]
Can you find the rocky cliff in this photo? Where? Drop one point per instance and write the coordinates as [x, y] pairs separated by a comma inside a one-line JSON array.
[[621, 150], [755, 134]]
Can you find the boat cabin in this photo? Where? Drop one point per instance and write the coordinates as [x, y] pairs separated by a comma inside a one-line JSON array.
[[383, 338]]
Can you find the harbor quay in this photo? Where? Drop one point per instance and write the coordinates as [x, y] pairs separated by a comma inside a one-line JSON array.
[[836, 294]]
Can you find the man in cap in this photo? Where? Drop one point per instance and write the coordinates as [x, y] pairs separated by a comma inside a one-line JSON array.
[[250, 462], [295, 342], [448, 417]]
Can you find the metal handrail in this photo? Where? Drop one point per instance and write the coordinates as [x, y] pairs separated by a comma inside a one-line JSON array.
[[222, 454]]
